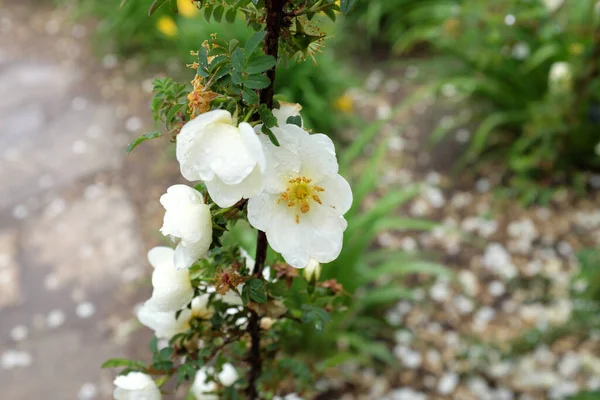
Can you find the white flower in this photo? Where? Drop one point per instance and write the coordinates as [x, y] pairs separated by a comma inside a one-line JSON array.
[[312, 270], [164, 324], [285, 111], [560, 77], [172, 288], [201, 308], [188, 220], [302, 205], [228, 375], [135, 386], [227, 158], [203, 389]]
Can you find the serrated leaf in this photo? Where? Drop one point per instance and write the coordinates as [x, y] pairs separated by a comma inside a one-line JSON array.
[[218, 13], [260, 64], [123, 362], [249, 96], [254, 41], [143, 138], [294, 120], [230, 15], [257, 81], [266, 116], [238, 60], [156, 4]]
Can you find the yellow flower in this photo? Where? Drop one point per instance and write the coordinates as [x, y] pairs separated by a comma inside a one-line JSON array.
[[166, 26], [187, 8], [344, 103]]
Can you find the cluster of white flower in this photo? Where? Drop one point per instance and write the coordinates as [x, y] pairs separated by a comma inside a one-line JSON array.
[[295, 194]]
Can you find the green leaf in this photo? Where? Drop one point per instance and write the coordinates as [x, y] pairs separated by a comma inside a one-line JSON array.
[[260, 64], [271, 135], [173, 6], [403, 267], [233, 44], [143, 138], [218, 13], [363, 345], [238, 60], [165, 353], [254, 41], [316, 316], [230, 15], [123, 3], [203, 57], [383, 296], [249, 96], [156, 4], [208, 12], [173, 112], [294, 120], [257, 81], [330, 13], [124, 362], [346, 5], [153, 345], [256, 290]]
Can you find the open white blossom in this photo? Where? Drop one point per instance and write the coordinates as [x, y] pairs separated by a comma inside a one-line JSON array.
[[285, 111], [172, 288], [135, 386], [188, 221], [228, 375], [304, 199], [229, 159], [164, 324]]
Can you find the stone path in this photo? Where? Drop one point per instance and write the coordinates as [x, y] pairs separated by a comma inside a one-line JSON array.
[[70, 241]]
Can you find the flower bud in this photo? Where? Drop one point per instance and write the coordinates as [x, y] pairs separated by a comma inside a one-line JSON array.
[[560, 78], [266, 323], [312, 270]]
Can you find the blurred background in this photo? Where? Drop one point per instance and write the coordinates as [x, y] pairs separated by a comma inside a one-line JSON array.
[[470, 130]]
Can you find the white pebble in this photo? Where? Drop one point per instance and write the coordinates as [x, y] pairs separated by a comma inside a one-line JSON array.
[[19, 333], [133, 124], [448, 383], [15, 359], [20, 211], [497, 288], [55, 318], [88, 391], [85, 309], [78, 103]]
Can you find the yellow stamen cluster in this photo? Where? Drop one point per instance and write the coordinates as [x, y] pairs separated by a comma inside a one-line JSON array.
[[298, 194]]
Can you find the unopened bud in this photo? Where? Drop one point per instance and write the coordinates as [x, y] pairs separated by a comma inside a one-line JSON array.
[[312, 270], [266, 323]]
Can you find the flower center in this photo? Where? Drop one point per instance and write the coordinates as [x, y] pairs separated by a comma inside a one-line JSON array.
[[299, 193]]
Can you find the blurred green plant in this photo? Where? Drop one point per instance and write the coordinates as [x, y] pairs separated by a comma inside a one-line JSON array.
[[166, 39], [532, 70]]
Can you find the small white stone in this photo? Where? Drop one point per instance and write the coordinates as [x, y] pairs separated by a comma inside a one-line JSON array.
[[469, 282], [94, 132], [85, 309], [19, 333], [410, 358], [55, 318], [45, 181], [109, 61], [570, 365], [463, 305], [411, 72], [448, 383], [408, 244], [88, 391], [463, 135], [396, 143], [434, 197], [15, 359], [440, 291], [482, 185], [51, 282]]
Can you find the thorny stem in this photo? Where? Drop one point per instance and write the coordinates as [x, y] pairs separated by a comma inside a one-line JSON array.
[[274, 11]]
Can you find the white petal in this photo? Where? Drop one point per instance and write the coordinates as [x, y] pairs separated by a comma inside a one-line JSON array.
[[136, 386], [260, 211], [283, 162], [318, 156], [201, 387], [285, 111], [187, 253], [337, 194], [172, 288], [190, 142], [227, 195], [186, 217], [253, 144], [164, 324]]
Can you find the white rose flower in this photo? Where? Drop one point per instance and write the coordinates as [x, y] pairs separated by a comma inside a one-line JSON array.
[[164, 324], [187, 220], [302, 205], [172, 288], [285, 111], [201, 308], [312, 270], [227, 158], [135, 386]]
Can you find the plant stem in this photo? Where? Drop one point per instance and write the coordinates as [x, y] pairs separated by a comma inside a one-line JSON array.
[[274, 16]]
